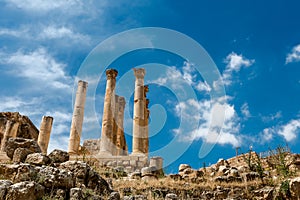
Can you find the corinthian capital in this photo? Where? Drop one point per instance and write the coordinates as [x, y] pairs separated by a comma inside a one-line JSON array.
[[111, 73], [139, 72]]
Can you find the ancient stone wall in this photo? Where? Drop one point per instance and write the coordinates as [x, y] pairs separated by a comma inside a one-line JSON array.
[[17, 125], [129, 163]]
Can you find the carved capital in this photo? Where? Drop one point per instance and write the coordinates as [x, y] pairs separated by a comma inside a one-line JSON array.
[[82, 83], [139, 72], [111, 73]]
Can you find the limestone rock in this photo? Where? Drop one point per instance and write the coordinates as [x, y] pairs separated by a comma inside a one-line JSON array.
[[17, 172], [58, 156], [266, 193], [37, 159], [295, 188], [136, 175], [60, 194], [14, 143], [55, 177], [148, 171], [135, 197], [25, 172], [20, 154], [182, 167], [76, 194], [171, 196], [25, 190], [84, 175], [114, 196], [4, 185]]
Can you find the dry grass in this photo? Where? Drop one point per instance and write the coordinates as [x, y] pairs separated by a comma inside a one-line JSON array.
[[181, 188]]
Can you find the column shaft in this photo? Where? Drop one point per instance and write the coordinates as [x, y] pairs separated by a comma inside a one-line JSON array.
[[77, 119], [11, 131], [138, 112], [121, 142], [107, 119], [44, 134]]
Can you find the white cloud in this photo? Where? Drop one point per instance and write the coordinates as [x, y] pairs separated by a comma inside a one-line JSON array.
[[294, 55], [192, 111], [44, 6], [203, 86], [54, 32], [45, 33], [187, 75], [267, 134], [234, 63], [290, 130], [272, 117], [245, 110], [38, 66]]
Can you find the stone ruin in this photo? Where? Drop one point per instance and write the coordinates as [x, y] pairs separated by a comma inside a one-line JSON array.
[[111, 149]]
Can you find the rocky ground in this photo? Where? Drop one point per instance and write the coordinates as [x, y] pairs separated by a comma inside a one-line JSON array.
[[31, 175]]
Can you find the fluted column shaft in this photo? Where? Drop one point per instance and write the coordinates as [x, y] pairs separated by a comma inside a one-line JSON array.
[[44, 134], [77, 119], [107, 119]]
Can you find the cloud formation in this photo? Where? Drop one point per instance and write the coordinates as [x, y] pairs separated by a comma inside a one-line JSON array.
[[202, 112], [294, 55]]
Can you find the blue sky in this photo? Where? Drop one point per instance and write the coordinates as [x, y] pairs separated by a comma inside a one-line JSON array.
[[254, 44]]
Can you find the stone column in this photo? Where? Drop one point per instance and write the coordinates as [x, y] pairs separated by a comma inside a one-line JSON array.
[[44, 134], [138, 112], [77, 119], [115, 125], [107, 119], [146, 127], [11, 131], [121, 142]]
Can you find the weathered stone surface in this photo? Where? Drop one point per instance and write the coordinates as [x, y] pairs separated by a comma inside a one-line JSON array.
[[84, 175], [77, 119], [265, 193], [58, 156], [26, 128], [107, 136], [135, 197], [20, 154], [55, 177], [17, 173], [37, 159], [4, 185], [60, 194], [25, 190], [114, 196], [295, 188], [171, 196], [182, 167], [148, 171], [136, 175], [14, 143], [76, 194], [44, 134]]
